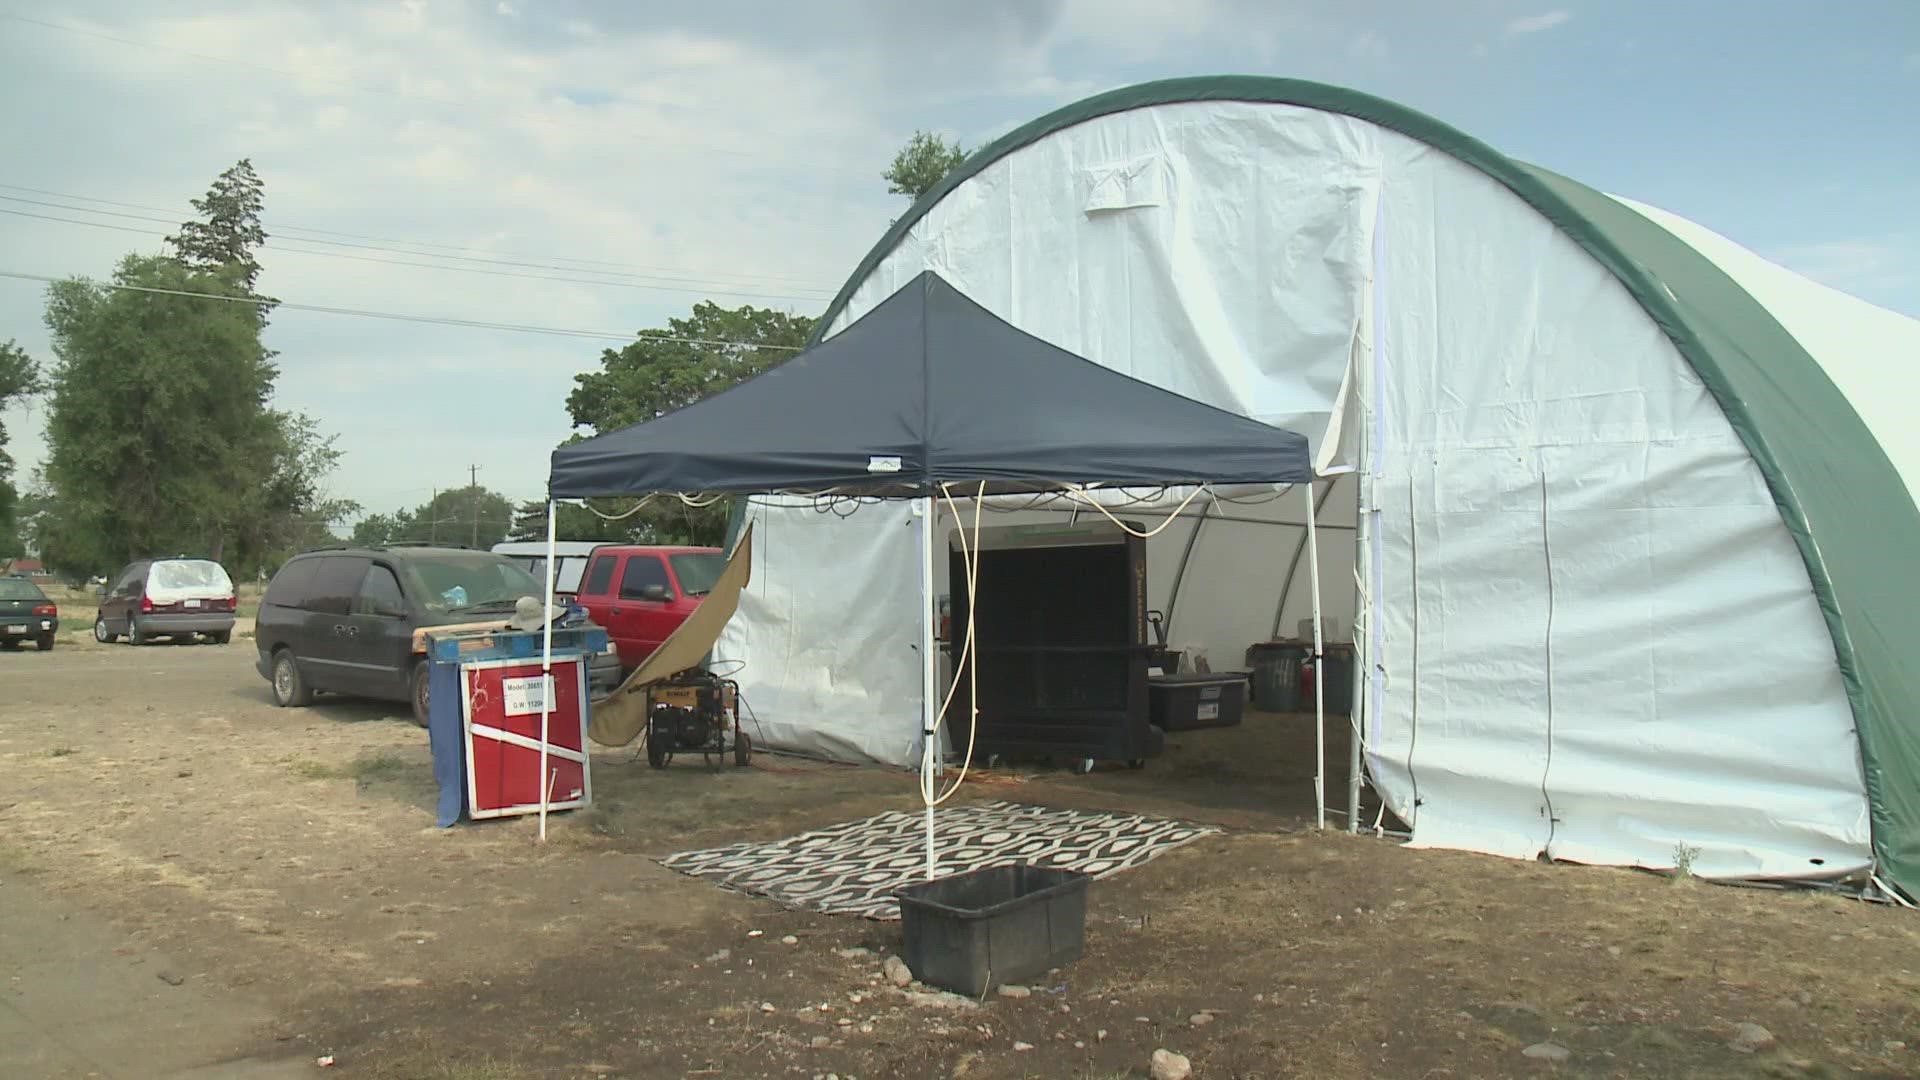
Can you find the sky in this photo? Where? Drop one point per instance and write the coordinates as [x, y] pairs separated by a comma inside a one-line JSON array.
[[599, 166]]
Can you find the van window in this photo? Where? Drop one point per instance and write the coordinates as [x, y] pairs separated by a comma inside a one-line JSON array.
[[336, 584], [379, 594], [601, 579], [195, 576], [643, 571], [290, 585], [130, 579], [473, 582], [174, 580]]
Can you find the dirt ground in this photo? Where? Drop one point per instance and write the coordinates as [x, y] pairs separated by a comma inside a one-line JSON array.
[[288, 857]]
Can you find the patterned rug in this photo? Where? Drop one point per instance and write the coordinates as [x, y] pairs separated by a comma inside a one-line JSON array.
[[856, 868]]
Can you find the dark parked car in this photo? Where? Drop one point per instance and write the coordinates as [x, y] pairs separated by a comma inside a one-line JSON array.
[[342, 620], [175, 598], [26, 614]]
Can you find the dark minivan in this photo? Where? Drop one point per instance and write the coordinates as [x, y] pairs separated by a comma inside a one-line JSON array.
[[343, 620]]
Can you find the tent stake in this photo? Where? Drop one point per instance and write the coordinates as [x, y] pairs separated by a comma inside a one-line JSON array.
[[929, 680], [1319, 684], [546, 666]]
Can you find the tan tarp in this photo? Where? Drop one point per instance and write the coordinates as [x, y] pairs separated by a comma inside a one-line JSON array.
[[620, 717]]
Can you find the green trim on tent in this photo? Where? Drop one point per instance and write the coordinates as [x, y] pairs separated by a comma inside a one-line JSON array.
[[1839, 496]]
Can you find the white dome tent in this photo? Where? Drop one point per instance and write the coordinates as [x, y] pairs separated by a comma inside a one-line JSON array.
[[1631, 508]]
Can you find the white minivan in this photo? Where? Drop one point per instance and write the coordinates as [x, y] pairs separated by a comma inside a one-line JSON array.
[[571, 557]]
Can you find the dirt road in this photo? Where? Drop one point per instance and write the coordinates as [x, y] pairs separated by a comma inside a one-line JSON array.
[[287, 859]]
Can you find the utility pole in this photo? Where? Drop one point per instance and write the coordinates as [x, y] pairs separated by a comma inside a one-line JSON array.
[[433, 517], [473, 496]]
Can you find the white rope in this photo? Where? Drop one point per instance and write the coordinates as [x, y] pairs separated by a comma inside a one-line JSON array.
[[1081, 494], [693, 501], [970, 561], [620, 516]]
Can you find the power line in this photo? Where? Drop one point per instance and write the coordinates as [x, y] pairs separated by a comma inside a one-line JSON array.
[[703, 282], [474, 324], [281, 228], [695, 288]]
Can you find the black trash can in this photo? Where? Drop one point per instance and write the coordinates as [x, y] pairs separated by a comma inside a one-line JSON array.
[[1276, 674], [1003, 924], [1336, 666]]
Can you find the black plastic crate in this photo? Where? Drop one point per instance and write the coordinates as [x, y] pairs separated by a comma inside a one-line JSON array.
[[1204, 700], [1004, 924]]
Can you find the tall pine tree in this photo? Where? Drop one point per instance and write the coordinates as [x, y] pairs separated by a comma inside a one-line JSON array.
[[228, 231]]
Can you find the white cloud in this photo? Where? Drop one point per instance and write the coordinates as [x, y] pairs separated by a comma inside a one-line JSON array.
[[719, 148], [1368, 45], [719, 166], [1534, 24], [505, 8]]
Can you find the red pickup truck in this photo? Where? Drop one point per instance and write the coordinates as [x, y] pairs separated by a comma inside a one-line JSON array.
[[642, 594]]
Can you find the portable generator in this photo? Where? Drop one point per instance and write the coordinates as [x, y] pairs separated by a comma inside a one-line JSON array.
[[695, 712]]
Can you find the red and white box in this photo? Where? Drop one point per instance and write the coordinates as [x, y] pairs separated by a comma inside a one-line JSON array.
[[500, 715]]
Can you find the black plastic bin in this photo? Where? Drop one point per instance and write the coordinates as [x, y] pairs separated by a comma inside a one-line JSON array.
[[974, 931], [1202, 700]]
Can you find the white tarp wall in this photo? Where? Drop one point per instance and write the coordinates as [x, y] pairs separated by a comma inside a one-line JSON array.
[[1595, 638]]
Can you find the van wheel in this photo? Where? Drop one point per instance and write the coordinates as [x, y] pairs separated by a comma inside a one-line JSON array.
[[135, 636], [220, 638], [100, 632], [420, 695], [289, 689]]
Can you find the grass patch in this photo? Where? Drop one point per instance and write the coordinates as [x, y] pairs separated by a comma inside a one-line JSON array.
[[365, 768], [61, 751]]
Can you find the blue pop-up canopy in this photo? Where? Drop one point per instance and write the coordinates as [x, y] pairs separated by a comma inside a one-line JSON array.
[[930, 388]]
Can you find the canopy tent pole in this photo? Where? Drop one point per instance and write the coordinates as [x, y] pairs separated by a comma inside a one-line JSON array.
[[546, 666], [1319, 684], [929, 678]]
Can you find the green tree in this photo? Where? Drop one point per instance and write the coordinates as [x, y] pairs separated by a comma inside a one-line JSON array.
[[457, 517], [922, 164], [228, 232], [19, 378], [288, 512], [376, 529], [160, 432], [673, 367]]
